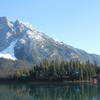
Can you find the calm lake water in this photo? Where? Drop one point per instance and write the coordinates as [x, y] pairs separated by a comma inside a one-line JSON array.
[[50, 91]]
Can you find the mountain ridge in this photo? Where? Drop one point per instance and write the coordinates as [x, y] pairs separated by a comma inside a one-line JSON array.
[[33, 45]]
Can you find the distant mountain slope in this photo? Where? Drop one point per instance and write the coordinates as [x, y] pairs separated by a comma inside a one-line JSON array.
[[19, 40]]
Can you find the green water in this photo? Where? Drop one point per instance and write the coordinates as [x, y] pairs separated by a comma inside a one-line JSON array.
[[50, 91]]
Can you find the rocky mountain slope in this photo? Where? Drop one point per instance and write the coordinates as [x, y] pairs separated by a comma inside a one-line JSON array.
[[19, 40]]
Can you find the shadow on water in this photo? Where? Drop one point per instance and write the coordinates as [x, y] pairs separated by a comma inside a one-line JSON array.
[[50, 91]]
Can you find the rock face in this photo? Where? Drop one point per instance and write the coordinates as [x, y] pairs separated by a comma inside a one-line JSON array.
[[22, 41]]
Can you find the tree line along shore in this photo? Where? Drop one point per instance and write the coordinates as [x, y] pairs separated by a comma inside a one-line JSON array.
[[55, 70]]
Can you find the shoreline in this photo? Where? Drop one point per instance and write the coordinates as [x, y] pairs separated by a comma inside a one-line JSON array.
[[43, 81]]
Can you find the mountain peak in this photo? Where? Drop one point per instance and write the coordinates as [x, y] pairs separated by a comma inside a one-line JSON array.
[[27, 25], [3, 18], [5, 22]]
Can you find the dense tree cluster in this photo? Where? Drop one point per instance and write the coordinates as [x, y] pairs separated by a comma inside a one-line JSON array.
[[48, 70], [56, 70]]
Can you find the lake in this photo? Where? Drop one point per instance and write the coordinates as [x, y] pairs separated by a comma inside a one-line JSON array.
[[50, 91]]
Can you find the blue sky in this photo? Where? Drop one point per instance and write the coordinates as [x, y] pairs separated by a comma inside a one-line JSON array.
[[76, 22]]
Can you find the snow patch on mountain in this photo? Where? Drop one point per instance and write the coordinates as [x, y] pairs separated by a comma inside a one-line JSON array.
[[8, 35], [29, 26], [8, 53], [34, 35], [58, 41], [22, 41], [10, 24], [6, 56]]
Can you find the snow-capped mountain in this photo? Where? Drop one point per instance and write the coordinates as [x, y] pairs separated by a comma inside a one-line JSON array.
[[19, 40]]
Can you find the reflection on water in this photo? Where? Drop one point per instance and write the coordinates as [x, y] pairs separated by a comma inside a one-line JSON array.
[[50, 91]]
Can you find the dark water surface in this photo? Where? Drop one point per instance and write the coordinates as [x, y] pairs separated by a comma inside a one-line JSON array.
[[50, 91]]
